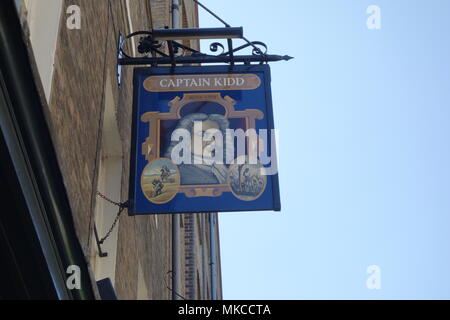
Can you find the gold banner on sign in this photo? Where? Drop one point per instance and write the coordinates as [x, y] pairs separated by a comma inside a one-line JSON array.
[[206, 82]]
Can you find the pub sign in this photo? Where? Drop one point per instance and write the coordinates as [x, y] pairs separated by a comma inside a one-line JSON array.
[[203, 140]]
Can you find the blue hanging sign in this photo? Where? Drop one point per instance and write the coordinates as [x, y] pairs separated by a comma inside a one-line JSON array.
[[203, 140]]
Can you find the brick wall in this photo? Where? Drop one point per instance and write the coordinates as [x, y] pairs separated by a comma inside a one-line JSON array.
[[84, 61]]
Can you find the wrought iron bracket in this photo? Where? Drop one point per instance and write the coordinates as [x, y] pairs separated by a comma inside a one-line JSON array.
[[101, 253], [98, 241], [153, 47]]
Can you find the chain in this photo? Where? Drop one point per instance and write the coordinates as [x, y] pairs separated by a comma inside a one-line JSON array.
[[121, 205]]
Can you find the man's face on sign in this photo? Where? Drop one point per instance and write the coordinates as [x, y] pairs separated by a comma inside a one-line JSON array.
[[204, 134]]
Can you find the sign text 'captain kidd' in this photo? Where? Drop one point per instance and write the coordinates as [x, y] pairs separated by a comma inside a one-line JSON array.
[[202, 82]]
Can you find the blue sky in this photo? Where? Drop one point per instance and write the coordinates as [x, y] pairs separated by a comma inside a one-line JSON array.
[[364, 153]]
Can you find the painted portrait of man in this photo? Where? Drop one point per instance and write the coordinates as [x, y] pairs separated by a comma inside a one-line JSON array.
[[200, 171]]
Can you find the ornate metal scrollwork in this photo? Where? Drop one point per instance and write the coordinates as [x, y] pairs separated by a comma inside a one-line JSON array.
[[147, 46], [214, 47], [154, 52], [255, 50]]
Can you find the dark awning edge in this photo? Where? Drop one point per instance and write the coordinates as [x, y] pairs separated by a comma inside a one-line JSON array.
[[29, 142]]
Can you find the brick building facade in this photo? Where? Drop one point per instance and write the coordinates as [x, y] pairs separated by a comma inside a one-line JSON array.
[[89, 118]]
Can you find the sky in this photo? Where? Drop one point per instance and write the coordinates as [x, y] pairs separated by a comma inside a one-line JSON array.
[[364, 159]]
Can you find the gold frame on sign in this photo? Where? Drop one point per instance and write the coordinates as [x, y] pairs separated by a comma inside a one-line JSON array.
[[151, 147]]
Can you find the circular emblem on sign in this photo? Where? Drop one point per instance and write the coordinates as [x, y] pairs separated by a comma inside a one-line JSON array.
[[246, 179], [160, 181]]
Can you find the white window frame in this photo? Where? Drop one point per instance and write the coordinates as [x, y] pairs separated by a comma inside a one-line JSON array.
[[110, 185], [43, 19]]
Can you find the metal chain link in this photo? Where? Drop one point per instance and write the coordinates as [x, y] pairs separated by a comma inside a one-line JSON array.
[[121, 205]]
